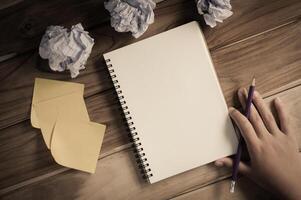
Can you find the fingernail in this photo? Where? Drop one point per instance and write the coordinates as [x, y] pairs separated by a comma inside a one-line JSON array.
[[231, 109], [245, 92], [241, 91], [278, 100], [218, 163]]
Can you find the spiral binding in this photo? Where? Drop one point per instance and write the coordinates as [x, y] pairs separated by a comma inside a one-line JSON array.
[[136, 144]]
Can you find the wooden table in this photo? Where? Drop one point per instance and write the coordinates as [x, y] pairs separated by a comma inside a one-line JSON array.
[[262, 38]]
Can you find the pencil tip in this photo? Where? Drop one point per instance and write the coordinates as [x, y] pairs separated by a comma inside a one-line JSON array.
[[253, 81]]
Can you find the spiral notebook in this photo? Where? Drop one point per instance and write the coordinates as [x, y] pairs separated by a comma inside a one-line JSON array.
[[172, 102]]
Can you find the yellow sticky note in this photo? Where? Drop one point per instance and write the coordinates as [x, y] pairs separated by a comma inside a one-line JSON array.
[[76, 144], [45, 89], [73, 105]]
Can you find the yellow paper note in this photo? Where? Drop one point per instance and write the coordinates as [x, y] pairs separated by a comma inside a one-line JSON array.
[[73, 105], [76, 144], [45, 89]]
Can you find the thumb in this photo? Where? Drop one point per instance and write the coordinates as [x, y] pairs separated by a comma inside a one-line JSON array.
[[228, 162]]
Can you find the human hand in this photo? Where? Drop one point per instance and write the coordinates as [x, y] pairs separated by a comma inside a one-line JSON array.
[[274, 152]]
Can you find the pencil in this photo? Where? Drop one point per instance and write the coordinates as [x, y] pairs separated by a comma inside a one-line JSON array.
[[239, 147]]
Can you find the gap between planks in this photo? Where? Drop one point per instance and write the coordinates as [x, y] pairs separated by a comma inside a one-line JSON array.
[[127, 146]]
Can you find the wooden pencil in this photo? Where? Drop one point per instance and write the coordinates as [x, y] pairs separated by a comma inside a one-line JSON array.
[[239, 147]]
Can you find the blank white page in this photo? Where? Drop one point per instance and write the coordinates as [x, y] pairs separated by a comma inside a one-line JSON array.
[[175, 101]]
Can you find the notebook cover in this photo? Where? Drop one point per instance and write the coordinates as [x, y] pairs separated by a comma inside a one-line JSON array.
[[173, 101]]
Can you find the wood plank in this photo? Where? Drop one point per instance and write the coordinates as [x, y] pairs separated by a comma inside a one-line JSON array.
[[119, 171], [27, 34], [7, 68], [251, 18], [244, 190], [114, 173]]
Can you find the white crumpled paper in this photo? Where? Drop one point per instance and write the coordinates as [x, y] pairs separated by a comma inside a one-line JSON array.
[[214, 10], [66, 50], [131, 15]]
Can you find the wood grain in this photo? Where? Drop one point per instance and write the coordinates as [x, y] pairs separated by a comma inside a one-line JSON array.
[[23, 152], [114, 173], [24, 29], [245, 189], [16, 90], [261, 38], [26, 21], [117, 171], [170, 14], [251, 18], [272, 57], [16, 110], [27, 33]]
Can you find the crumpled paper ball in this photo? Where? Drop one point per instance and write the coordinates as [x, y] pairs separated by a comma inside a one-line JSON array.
[[131, 15], [214, 10], [66, 50]]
